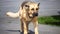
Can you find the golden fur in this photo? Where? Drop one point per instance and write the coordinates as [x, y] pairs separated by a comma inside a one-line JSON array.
[[27, 13]]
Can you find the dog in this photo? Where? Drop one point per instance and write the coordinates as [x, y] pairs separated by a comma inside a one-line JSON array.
[[27, 13]]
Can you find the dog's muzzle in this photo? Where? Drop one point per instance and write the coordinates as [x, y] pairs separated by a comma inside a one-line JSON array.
[[35, 14]]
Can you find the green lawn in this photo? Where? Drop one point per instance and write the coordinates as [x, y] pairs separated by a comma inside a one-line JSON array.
[[50, 20]]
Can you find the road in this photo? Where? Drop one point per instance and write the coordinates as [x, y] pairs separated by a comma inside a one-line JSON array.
[[12, 26]]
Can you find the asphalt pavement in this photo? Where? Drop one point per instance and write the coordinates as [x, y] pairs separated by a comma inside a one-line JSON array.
[[12, 26]]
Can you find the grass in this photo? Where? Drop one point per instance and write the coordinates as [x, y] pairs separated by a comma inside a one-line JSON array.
[[50, 20]]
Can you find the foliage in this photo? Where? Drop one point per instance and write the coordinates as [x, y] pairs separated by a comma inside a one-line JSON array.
[[52, 20]]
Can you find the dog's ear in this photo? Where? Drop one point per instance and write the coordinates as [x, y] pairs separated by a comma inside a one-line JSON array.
[[26, 7], [38, 4]]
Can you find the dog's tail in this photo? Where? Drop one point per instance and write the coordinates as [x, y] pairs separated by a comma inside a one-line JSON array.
[[13, 15]]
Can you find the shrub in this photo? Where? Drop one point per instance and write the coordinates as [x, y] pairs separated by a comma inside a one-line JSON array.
[[52, 20]]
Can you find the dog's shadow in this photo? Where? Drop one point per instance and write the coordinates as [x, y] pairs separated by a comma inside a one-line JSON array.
[[30, 32]]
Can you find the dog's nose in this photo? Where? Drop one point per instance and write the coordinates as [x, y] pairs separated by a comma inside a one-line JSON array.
[[35, 14]]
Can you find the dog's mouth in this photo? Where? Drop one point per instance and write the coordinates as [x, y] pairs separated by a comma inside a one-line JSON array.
[[30, 16], [33, 15]]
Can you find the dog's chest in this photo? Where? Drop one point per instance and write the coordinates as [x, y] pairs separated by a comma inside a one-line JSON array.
[[25, 17], [28, 19]]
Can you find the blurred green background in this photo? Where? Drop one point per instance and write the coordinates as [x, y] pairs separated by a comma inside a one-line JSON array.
[[50, 20]]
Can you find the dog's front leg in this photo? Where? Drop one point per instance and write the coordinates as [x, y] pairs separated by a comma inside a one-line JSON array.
[[36, 27], [25, 28], [22, 27], [35, 22]]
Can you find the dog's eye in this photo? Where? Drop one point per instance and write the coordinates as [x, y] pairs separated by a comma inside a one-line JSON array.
[[36, 8], [32, 9]]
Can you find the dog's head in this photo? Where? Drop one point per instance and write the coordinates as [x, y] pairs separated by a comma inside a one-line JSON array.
[[31, 8]]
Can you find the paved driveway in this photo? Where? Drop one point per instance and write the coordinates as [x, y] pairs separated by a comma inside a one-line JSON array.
[[12, 26]]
